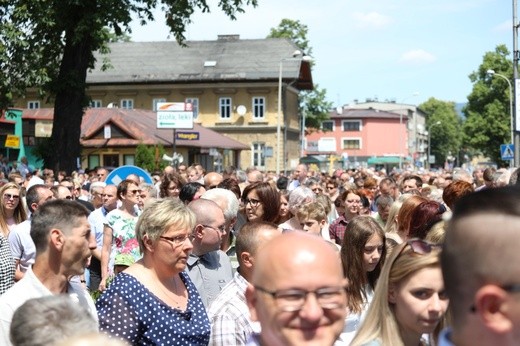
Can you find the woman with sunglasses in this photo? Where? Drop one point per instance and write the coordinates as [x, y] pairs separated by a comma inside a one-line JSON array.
[[154, 302], [409, 301], [261, 202], [362, 253], [12, 213], [119, 230]]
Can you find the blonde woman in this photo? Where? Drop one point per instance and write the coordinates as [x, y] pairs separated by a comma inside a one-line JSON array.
[[12, 213], [409, 300]]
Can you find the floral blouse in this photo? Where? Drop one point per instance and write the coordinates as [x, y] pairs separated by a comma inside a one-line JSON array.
[[123, 235]]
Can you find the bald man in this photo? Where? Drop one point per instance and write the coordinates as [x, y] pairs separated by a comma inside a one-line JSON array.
[[211, 180], [208, 267], [298, 292], [480, 267]]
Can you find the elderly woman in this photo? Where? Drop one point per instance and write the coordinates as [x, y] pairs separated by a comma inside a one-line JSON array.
[[297, 197], [154, 302]]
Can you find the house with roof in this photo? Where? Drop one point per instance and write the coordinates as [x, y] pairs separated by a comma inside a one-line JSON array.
[[109, 136], [246, 90], [355, 138]]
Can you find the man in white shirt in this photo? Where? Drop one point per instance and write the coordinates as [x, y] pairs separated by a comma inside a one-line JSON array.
[[61, 234]]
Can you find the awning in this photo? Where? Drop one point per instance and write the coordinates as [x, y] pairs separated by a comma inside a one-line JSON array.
[[314, 159], [382, 160]]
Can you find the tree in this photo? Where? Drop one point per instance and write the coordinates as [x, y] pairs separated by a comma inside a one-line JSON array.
[[444, 126], [49, 45], [487, 124], [313, 103]]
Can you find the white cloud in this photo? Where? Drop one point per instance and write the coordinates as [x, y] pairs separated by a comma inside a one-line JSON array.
[[504, 26], [372, 20], [418, 56]]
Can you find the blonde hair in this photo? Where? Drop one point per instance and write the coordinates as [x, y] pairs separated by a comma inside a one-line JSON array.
[[19, 213], [380, 322]]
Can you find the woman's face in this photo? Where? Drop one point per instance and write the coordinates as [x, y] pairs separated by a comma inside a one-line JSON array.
[[372, 252], [11, 199], [133, 194], [173, 248], [254, 207], [419, 302], [173, 190], [284, 206], [352, 204]]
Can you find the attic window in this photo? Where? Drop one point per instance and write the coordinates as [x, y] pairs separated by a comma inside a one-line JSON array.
[[210, 63]]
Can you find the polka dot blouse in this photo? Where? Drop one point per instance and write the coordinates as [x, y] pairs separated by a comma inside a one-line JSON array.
[[129, 311]]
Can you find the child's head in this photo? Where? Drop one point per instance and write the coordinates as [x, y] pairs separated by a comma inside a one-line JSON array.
[[312, 217], [122, 261]]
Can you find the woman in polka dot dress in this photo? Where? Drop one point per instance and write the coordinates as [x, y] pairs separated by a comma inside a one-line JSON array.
[[154, 302]]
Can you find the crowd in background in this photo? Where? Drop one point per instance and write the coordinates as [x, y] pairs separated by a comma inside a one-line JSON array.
[[173, 261]]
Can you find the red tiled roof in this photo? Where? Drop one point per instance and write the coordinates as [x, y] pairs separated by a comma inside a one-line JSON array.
[[140, 126]]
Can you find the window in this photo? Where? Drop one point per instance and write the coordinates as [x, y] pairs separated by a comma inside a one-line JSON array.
[[258, 157], [258, 108], [127, 103], [194, 105], [155, 102], [352, 143], [96, 104], [225, 107], [93, 160], [351, 125], [327, 125], [33, 104], [129, 159]]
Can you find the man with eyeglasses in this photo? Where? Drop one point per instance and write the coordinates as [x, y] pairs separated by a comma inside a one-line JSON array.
[[208, 267], [479, 261], [298, 292]]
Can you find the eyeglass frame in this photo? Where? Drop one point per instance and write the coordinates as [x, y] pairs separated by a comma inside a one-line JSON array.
[[221, 229], [9, 196], [253, 201], [305, 293], [178, 240]]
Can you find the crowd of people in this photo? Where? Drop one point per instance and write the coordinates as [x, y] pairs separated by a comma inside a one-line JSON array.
[[356, 257]]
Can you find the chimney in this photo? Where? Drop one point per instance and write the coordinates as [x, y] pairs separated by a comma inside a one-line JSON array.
[[228, 37]]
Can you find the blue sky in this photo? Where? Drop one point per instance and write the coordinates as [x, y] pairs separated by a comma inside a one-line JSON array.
[[404, 50]]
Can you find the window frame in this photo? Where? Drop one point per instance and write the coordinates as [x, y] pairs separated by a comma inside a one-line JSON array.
[[344, 122], [358, 139], [225, 108], [130, 101], [258, 107]]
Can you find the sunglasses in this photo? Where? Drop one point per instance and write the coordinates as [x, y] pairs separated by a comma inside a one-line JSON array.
[[134, 192], [420, 247], [8, 196]]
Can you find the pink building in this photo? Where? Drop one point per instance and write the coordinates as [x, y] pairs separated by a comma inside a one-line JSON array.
[[361, 137]]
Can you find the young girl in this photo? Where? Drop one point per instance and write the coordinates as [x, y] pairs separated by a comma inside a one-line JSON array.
[[362, 254], [409, 300]]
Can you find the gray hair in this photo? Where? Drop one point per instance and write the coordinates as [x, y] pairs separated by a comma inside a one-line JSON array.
[[152, 191], [298, 196], [228, 198], [50, 319], [241, 176]]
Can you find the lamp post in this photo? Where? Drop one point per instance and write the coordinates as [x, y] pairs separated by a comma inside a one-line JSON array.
[[429, 141], [297, 55], [493, 73]]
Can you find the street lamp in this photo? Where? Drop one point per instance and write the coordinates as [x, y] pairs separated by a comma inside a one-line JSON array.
[[297, 55], [429, 141], [493, 73]]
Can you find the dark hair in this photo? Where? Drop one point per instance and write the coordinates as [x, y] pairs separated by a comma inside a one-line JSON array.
[[188, 191], [122, 188], [168, 178], [282, 183], [33, 195], [268, 196], [62, 214], [418, 180], [231, 185], [423, 217]]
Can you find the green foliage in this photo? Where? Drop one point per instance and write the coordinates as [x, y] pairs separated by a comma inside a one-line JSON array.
[[150, 157], [313, 103], [487, 113], [444, 126], [295, 31]]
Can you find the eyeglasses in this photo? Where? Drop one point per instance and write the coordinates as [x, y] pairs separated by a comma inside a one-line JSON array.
[[179, 240], [254, 202], [221, 229], [134, 192], [9, 196], [292, 300], [317, 190]]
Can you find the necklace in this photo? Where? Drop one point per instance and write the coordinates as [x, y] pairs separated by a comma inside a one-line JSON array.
[[175, 297]]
